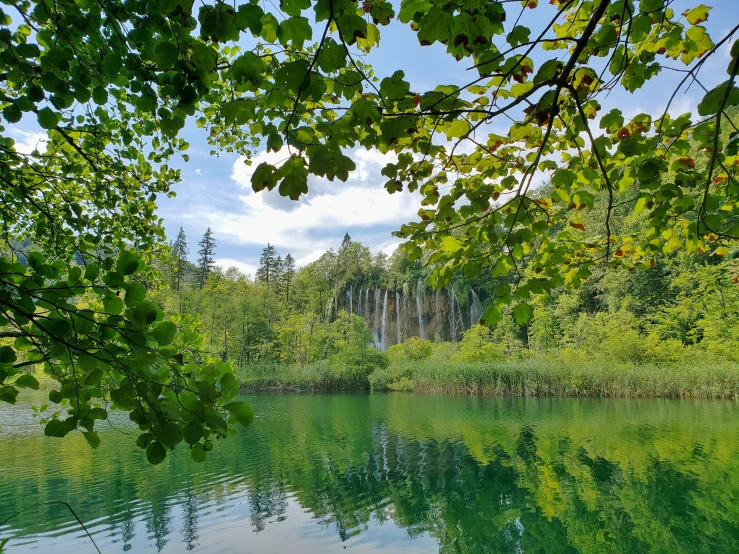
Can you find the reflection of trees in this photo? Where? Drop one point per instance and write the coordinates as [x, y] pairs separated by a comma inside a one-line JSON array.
[[190, 521], [476, 481]]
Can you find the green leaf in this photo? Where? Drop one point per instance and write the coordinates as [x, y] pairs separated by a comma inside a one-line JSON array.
[[239, 112], [135, 293], [165, 332], [192, 432], [92, 438], [27, 381], [295, 180], [7, 355], [155, 453], [523, 313], [198, 453], [47, 118], [92, 270], [56, 428], [12, 113], [294, 31], [241, 411], [713, 99], [127, 263], [8, 394], [229, 386], [697, 15], [265, 177], [165, 55]]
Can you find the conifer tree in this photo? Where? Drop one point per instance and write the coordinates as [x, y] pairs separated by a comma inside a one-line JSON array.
[[287, 274], [277, 275], [206, 263], [180, 252], [267, 262]]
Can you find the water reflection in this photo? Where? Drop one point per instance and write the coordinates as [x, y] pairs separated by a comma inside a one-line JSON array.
[[398, 473]]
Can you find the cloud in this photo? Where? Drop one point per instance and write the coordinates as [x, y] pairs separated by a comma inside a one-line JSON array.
[[318, 221], [198, 172], [26, 142], [244, 267]]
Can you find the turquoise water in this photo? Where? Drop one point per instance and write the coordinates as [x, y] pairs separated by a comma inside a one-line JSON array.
[[391, 473]]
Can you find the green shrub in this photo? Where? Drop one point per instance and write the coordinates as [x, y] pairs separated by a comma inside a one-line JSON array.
[[477, 346], [417, 348]]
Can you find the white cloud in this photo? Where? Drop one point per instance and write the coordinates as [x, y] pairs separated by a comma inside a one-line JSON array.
[[198, 172], [26, 142], [244, 267], [317, 222]]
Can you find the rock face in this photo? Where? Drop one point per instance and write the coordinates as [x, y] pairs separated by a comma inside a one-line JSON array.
[[395, 314]]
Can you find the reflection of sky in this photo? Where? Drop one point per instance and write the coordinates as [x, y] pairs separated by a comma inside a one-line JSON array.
[[215, 192], [226, 528]]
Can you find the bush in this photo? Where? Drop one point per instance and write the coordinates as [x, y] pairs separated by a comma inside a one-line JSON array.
[[417, 348], [477, 346]]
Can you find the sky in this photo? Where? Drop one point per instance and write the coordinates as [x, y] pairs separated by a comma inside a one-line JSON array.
[[215, 190]]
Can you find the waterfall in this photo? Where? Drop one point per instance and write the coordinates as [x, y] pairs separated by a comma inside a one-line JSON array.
[[397, 315], [359, 302], [475, 309], [420, 290], [376, 326], [406, 307], [452, 316], [383, 340], [336, 305], [437, 317], [351, 295], [366, 303]]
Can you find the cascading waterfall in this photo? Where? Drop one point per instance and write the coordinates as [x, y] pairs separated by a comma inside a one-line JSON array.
[[383, 343], [397, 315], [460, 321], [359, 302], [336, 305], [453, 316], [406, 307], [437, 317], [376, 326], [420, 303], [366, 303], [351, 299], [475, 309]]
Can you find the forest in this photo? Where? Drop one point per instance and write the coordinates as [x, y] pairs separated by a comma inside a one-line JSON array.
[[354, 319], [565, 242]]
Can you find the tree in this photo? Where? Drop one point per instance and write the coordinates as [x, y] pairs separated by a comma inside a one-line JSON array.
[[288, 274], [114, 83], [206, 263], [267, 264], [180, 252], [278, 275]]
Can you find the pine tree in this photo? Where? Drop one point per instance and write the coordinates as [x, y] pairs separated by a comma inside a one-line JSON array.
[[267, 262], [205, 260], [346, 243], [277, 274], [180, 252], [287, 275]]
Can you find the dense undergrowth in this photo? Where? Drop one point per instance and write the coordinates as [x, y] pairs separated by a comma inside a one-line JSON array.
[[478, 365]]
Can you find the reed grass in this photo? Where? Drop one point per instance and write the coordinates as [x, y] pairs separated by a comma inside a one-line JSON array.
[[541, 377]]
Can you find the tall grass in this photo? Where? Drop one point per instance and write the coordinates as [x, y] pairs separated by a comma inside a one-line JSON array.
[[318, 376], [542, 377]]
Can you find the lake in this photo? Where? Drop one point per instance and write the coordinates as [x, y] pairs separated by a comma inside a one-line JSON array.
[[392, 473]]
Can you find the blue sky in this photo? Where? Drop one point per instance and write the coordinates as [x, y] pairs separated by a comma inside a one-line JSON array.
[[215, 191]]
